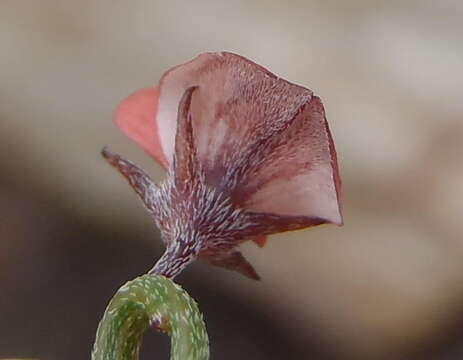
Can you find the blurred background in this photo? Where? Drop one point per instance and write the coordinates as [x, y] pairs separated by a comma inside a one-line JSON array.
[[387, 285]]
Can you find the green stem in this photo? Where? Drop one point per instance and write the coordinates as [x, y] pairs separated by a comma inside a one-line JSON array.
[[151, 300]]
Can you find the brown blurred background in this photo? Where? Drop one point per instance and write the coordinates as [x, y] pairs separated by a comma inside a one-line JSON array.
[[387, 285]]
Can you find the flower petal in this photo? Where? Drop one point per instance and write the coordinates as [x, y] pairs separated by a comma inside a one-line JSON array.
[[259, 138], [238, 104], [260, 240], [298, 175], [136, 116]]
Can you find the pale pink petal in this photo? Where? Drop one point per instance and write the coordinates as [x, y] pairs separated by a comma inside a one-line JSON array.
[[136, 116], [260, 138], [173, 85], [263, 140], [298, 175], [238, 103]]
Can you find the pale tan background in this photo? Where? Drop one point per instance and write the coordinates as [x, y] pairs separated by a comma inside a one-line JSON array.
[[389, 284]]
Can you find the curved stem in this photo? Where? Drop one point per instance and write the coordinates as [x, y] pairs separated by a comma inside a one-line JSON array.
[[176, 257], [151, 300]]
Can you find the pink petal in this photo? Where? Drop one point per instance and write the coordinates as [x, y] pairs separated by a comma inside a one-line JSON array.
[[136, 117], [261, 138], [223, 79], [299, 175], [260, 240], [233, 108], [173, 85]]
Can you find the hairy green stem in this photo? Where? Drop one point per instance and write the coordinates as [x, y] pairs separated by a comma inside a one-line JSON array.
[[151, 300]]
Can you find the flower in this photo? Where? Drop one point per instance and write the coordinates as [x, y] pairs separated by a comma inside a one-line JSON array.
[[247, 154]]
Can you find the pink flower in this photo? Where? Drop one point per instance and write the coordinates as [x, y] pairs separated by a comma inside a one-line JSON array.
[[247, 154]]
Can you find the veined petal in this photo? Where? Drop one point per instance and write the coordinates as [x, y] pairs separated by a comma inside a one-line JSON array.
[[260, 139], [296, 173]]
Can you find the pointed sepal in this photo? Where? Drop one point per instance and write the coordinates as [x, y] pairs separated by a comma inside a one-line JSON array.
[[235, 261], [140, 181]]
